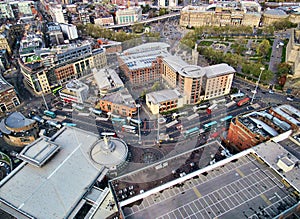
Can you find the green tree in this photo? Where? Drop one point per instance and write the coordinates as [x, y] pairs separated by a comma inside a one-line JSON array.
[[263, 48], [138, 28], [155, 86], [284, 69]]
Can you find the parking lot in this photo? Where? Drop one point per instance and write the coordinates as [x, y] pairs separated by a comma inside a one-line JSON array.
[[224, 192]]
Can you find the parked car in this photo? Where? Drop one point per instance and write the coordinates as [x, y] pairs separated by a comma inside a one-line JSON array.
[[289, 99]]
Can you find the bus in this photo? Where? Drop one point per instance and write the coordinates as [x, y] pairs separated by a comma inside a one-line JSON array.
[[50, 114], [170, 124], [55, 90], [136, 122], [115, 120], [191, 132], [129, 129], [243, 101], [237, 95], [108, 134], [78, 107], [69, 124], [230, 104], [209, 125], [54, 124], [226, 119], [96, 111], [38, 119]]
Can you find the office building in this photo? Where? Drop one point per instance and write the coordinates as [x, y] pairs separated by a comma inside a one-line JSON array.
[[55, 34], [140, 64], [8, 97], [68, 168], [74, 91], [248, 130], [163, 101], [188, 185], [118, 103], [197, 83], [56, 13], [15, 9], [70, 31], [18, 130]]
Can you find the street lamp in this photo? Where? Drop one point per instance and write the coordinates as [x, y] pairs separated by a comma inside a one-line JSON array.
[[255, 90], [139, 124], [38, 82]]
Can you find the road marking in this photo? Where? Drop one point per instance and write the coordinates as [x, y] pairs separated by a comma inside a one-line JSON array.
[[240, 172], [267, 201], [198, 194]]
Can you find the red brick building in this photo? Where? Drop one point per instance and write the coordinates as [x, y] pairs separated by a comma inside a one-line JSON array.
[[246, 131]]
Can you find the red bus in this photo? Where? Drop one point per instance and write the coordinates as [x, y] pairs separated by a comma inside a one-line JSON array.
[[243, 101], [211, 108]]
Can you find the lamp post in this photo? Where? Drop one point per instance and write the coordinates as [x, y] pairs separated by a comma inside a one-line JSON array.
[[37, 80], [139, 124], [255, 90]]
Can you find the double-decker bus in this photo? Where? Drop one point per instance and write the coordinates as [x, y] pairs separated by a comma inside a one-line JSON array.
[[209, 125], [129, 129], [191, 132], [211, 108], [50, 114], [119, 121], [55, 90]]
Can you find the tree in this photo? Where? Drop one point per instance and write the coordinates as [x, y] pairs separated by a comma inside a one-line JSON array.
[[155, 86], [263, 48], [284, 69]]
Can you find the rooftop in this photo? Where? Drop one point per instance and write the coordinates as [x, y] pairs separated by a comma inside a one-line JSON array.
[[76, 85], [225, 189], [129, 186], [183, 68], [277, 12], [36, 191], [107, 79], [271, 152], [218, 70], [162, 96], [288, 112], [17, 120], [121, 97], [146, 47], [264, 123]]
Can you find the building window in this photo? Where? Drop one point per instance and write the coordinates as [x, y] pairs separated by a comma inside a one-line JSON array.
[[3, 107]]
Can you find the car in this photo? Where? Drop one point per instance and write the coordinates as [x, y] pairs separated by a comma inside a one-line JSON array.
[[289, 99], [271, 92]]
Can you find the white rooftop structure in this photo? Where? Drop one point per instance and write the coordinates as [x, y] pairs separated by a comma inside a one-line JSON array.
[[183, 68], [218, 70], [107, 80], [288, 112], [272, 152], [147, 47], [162, 96], [59, 187]]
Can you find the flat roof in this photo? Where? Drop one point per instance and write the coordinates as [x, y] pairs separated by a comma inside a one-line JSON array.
[[271, 152], [162, 96], [289, 112], [148, 178], [120, 97], [54, 189], [238, 187], [147, 47], [107, 78]]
